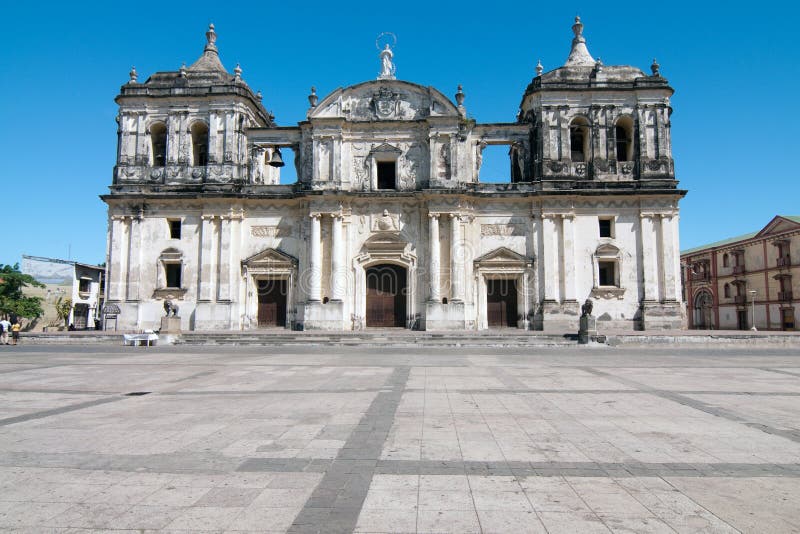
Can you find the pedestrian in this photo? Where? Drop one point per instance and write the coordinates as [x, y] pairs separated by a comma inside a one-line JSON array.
[[15, 328], [5, 326]]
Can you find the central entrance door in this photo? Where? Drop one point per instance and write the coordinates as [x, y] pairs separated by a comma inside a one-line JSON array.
[[501, 303], [271, 303], [386, 295]]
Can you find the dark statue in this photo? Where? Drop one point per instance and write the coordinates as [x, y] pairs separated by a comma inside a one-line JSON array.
[[587, 307], [171, 308]]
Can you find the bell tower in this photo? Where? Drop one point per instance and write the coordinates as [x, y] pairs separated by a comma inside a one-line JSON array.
[[186, 127], [599, 123]]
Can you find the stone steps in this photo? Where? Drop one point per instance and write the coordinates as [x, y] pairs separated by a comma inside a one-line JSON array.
[[382, 339]]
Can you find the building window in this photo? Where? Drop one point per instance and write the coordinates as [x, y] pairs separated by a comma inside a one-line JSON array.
[[387, 173], [727, 291], [606, 227], [579, 140], [84, 285], [199, 144], [174, 228], [726, 260], [784, 258], [606, 271], [173, 272], [624, 134], [158, 138]]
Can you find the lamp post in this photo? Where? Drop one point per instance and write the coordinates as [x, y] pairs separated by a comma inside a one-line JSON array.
[[753, 309]]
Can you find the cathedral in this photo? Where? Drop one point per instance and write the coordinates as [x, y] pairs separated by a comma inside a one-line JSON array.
[[388, 224]]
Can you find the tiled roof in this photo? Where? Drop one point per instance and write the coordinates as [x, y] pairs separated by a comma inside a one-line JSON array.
[[731, 240], [728, 241]]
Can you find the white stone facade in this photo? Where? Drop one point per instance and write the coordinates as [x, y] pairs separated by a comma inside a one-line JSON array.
[[388, 224]]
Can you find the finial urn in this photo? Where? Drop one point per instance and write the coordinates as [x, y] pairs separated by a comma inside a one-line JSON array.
[[460, 96], [655, 68], [577, 28], [312, 98], [211, 38]]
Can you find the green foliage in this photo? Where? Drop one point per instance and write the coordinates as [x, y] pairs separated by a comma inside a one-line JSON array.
[[63, 307], [12, 282]]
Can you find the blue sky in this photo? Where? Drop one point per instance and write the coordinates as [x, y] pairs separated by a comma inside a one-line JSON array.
[[734, 69]]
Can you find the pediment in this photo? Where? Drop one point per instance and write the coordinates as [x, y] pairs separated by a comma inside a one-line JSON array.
[[778, 225], [385, 241], [607, 250], [171, 254], [503, 256], [270, 258], [384, 100], [385, 148]]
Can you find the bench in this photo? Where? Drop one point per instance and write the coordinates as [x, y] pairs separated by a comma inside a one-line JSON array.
[[147, 339]]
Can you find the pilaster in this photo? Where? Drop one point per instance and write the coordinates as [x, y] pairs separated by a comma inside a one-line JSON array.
[[338, 273], [434, 258], [457, 255], [118, 257], [205, 289], [134, 259], [315, 260]]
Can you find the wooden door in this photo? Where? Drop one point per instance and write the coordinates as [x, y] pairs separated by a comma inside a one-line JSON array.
[[787, 318], [386, 296], [741, 319], [501, 303], [271, 303]]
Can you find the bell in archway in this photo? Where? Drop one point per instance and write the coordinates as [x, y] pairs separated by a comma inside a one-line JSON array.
[[276, 160]]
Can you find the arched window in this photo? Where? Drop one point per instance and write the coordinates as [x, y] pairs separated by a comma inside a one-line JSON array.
[[727, 291], [579, 140], [725, 260], [199, 144], [624, 134], [158, 137]]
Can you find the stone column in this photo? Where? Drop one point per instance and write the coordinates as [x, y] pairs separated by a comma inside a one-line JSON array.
[[315, 260], [337, 259], [213, 137], [550, 258], [568, 243], [435, 258], [649, 257], [456, 259]]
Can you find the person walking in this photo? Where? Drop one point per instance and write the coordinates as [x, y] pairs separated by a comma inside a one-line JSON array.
[[15, 328], [5, 326]]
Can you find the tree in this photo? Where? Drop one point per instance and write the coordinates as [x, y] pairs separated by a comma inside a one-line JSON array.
[[63, 307], [12, 301]]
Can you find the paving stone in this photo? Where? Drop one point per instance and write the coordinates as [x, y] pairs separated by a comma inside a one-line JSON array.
[[310, 441]]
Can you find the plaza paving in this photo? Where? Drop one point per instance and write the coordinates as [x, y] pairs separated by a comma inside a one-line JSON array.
[[232, 439]]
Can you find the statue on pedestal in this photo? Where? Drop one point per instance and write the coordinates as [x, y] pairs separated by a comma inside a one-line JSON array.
[[170, 308], [171, 324], [588, 323]]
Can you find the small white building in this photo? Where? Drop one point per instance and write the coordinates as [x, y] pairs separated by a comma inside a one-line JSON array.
[[388, 223], [83, 284]]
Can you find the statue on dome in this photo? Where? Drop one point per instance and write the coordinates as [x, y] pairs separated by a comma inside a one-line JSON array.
[[387, 67]]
